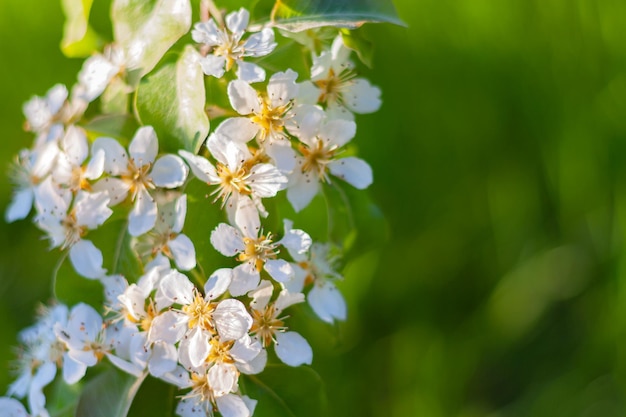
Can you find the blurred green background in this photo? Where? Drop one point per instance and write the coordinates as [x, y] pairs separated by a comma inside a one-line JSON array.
[[499, 159]]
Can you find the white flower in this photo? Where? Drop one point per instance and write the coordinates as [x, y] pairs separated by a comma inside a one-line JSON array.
[[98, 71], [238, 173], [67, 226], [88, 339], [69, 171], [30, 168], [200, 318], [335, 85], [229, 49], [319, 149], [138, 174], [43, 112], [268, 326], [166, 237], [317, 269], [256, 251], [12, 408]]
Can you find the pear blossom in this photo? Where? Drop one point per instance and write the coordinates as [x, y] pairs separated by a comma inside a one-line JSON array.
[[199, 318], [136, 173], [210, 391], [269, 326], [89, 339], [13, 408], [317, 268], [98, 71], [41, 354], [30, 168], [70, 170], [166, 237], [42, 113], [319, 148], [227, 47], [238, 173], [256, 251], [335, 85], [67, 222]]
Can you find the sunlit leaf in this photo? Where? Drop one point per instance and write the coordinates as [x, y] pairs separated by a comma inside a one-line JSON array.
[[283, 391], [110, 394], [79, 39], [119, 126], [155, 399], [299, 15], [62, 398], [364, 48], [172, 100], [114, 99], [147, 29]]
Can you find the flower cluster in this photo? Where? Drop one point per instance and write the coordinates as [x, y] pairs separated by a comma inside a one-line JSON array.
[[287, 134]]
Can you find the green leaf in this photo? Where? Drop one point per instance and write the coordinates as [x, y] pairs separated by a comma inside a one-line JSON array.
[[172, 100], [110, 394], [353, 39], [71, 288], [119, 126], [114, 99], [283, 391], [146, 29], [79, 39], [299, 15]]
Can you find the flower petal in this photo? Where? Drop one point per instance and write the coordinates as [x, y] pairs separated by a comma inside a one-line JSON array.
[[327, 302], [249, 72], [144, 146], [213, 65], [279, 269], [282, 88], [293, 349], [354, 171], [169, 171], [87, 259], [143, 215], [243, 98], [227, 240], [200, 167], [183, 252]]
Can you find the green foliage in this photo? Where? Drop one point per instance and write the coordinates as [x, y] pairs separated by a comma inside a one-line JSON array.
[[79, 38], [109, 394], [283, 391], [157, 23], [172, 100], [299, 15]]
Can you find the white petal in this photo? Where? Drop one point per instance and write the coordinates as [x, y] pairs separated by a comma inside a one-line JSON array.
[[177, 288], [143, 215], [206, 33], [184, 252], [255, 366], [238, 129], [180, 212], [282, 154], [199, 346], [247, 218], [304, 188], [266, 180], [168, 327], [95, 168], [73, 371], [340, 53], [87, 259], [222, 378], [12, 408], [126, 366], [279, 269], [231, 405], [295, 240], [327, 302], [282, 88], [164, 359], [338, 132], [243, 98], [249, 72], [308, 93], [75, 145], [245, 349], [189, 408], [115, 188], [115, 156], [95, 75], [169, 171], [200, 167], [227, 240], [361, 96], [91, 209], [20, 205], [260, 43], [245, 278], [305, 122], [218, 283], [293, 349], [261, 295], [213, 65], [237, 22], [231, 319], [144, 146], [354, 171], [287, 299]]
